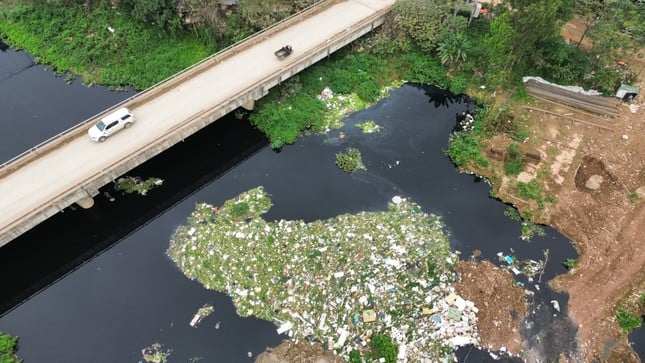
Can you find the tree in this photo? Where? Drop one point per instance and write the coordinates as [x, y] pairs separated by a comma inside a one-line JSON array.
[[498, 46], [422, 21], [162, 13], [618, 32], [535, 23], [589, 11]]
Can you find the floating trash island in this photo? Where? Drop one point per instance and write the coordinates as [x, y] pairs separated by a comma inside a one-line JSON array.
[[336, 281]]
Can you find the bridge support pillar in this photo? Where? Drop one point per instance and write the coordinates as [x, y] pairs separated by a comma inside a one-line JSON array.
[[248, 105], [86, 203]]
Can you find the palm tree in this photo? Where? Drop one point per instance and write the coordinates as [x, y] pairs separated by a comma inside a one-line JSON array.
[[453, 49]]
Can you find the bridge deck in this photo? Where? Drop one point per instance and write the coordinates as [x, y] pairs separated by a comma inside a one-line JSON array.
[[28, 188]]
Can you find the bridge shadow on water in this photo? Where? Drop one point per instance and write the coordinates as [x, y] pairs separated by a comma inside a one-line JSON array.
[[65, 241]]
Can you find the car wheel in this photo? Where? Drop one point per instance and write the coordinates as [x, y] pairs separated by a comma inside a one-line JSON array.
[[127, 125], [102, 138]]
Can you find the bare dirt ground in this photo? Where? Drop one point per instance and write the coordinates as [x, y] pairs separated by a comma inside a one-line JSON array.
[[502, 304], [301, 352], [595, 169]]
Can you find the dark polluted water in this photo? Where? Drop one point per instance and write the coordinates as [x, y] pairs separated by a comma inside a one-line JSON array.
[[35, 104], [123, 293]]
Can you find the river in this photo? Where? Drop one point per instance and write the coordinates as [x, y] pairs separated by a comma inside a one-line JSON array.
[[98, 287]]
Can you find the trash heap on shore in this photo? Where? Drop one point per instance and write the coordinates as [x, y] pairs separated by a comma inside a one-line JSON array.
[[336, 281]]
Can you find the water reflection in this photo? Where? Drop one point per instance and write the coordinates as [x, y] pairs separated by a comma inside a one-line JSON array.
[[442, 98]]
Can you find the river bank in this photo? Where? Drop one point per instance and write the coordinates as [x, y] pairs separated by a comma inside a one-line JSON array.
[[413, 132], [592, 205], [604, 220]]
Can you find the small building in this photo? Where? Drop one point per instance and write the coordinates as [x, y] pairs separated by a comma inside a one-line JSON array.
[[469, 8], [626, 92]]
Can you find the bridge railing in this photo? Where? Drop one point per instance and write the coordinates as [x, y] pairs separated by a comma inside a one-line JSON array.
[[118, 167], [47, 145]]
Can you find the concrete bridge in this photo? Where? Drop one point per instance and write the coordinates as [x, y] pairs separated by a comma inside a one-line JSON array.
[[70, 168]]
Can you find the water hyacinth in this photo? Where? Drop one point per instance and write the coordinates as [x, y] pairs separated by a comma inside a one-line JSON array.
[[336, 281], [368, 127]]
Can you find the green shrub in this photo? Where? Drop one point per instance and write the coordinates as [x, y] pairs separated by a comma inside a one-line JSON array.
[[283, 121], [569, 263], [628, 320], [8, 346], [368, 91], [240, 211], [514, 160], [530, 229], [605, 80], [458, 84], [355, 357], [512, 213], [465, 148], [521, 133], [382, 347], [531, 191], [420, 68], [135, 184]]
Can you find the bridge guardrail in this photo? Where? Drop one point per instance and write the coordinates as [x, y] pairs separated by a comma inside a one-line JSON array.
[[15, 162], [85, 184]]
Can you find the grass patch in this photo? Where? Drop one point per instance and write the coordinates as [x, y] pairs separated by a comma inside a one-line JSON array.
[[627, 320], [465, 148], [532, 191], [632, 197]]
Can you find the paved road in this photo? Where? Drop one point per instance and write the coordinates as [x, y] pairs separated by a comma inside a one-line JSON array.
[[62, 170]]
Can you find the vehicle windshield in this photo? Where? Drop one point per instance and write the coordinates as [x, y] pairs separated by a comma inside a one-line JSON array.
[[100, 125]]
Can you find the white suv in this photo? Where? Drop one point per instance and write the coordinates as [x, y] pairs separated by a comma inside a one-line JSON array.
[[117, 120]]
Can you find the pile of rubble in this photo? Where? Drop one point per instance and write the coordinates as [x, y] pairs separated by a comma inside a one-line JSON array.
[[336, 281]]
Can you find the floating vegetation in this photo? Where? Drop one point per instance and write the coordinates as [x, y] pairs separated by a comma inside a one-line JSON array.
[[201, 313], [338, 106], [530, 229], [350, 160], [155, 354], [368, 127], [134, 184], [337, 281]]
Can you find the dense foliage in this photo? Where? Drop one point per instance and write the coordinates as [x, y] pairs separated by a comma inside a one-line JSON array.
[[132, 42], [100, 43]]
